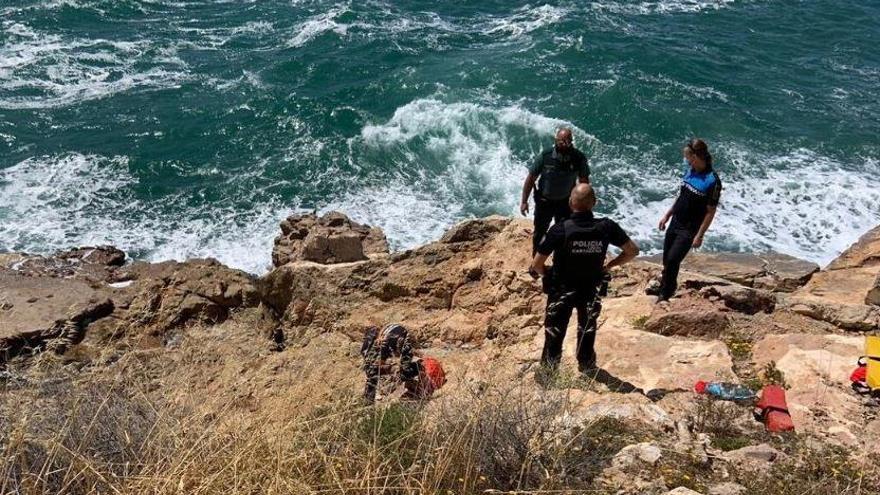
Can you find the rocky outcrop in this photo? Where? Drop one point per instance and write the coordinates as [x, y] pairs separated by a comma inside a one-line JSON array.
[[331, 238], [478, 230], [692, 317], [770, 271], [468, 288], [86, 263], [468, 300], [171, 294], [61, 296], [864, 253], [845, 293], [743, 299], [873, 296], [59, 335]]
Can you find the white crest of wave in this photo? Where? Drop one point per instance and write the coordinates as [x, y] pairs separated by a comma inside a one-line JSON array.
[[660, 6], [57, 202], [479, 173], [65, 71], [45, 200], [526, 20], [317, 25]]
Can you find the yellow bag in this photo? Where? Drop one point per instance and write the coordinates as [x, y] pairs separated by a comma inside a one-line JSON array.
[[872, 351]]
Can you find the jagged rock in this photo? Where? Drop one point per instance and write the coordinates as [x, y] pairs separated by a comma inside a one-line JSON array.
[[753, 454], [771, 271], [839, 297], [864, 253], [481, 229], [705, 321], [331, 238], [873, 296], [88, 263], [644, 452], [99, 255], [37, 302], [172, 294], [333, 248], [63, 332], [784, 273], [817, 369], [461, 292], [741, 298], [727, 488], [845, 294], [857, 317]]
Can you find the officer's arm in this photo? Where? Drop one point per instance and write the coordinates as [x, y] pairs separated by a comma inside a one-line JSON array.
[[539, 264], [707, 221], [528, 185], [584, 174], [628, 252]]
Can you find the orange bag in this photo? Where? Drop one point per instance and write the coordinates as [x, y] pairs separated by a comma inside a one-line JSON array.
[[431, 378], [772, 409], [434, 372]]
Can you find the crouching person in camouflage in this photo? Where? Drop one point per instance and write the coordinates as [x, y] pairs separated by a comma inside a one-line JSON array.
[[379, 349], [419, 376]]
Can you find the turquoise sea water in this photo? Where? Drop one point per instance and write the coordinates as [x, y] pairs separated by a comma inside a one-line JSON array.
[[177, 128]]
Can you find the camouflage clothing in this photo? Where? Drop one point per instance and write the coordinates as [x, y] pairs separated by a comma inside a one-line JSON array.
[[379, 349]]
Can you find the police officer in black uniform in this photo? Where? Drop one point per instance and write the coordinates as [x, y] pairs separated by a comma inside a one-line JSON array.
[[556, 171], [579, 246]]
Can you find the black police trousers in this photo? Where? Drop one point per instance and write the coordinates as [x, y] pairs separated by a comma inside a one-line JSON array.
[[676, 246], [546, 211], [560, 304]]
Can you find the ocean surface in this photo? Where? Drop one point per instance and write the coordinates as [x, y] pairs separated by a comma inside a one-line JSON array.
[[181, 128]]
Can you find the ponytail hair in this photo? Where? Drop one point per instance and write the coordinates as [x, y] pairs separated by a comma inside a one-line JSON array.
[[701, 149]]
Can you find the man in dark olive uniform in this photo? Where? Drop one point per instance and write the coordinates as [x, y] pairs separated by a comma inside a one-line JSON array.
[[579, 246], [556, 172]]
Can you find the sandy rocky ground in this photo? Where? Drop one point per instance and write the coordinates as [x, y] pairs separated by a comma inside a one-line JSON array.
[[199, 329]]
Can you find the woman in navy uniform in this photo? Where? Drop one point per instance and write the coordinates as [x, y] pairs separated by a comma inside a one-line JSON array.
[[691, 214]]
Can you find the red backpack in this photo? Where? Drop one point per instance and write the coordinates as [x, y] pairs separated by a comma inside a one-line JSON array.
[[772, 409], [435, 374]]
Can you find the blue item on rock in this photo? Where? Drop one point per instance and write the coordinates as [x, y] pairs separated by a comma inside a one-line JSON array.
[[725, 391]]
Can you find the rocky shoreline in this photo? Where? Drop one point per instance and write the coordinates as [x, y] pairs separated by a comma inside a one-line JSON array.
[[468, 300]]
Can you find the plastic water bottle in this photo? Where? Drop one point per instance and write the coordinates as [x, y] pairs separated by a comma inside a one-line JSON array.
[[725, 391]]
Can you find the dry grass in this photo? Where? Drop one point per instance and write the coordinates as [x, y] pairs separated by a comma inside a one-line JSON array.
[[69, 431], [63, 436]]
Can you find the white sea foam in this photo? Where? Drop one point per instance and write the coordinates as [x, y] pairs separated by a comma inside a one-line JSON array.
[[45, 201], [479, 173], [55, 202], [666, 83], [525, 20], [660, 6], [65, 71], [318, 25], [801, 202]]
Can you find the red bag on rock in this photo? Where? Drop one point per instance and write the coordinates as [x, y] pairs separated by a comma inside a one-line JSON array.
[[772, 409], [434, 372], [431, 378]]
